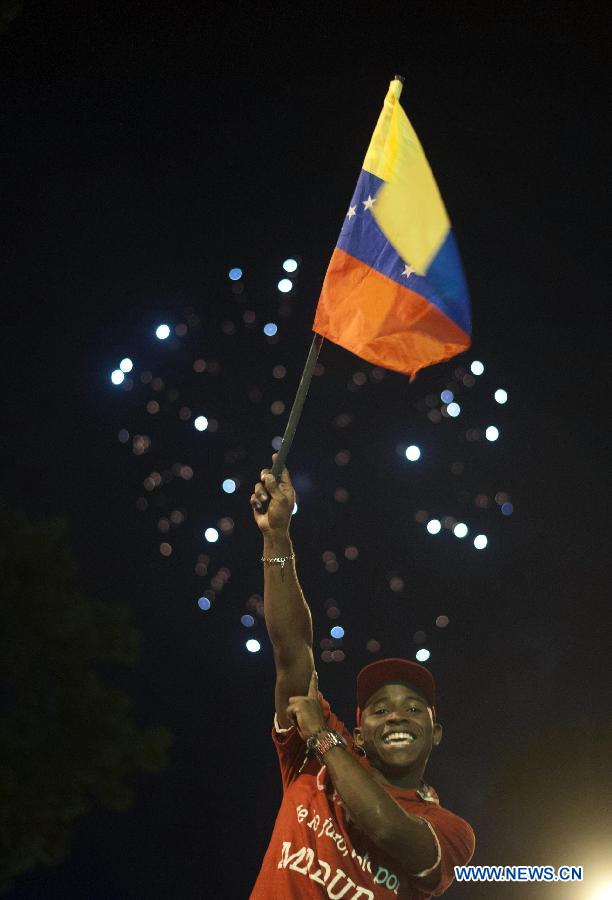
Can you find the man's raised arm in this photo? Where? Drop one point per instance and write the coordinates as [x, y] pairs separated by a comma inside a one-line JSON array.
[[286, 612]]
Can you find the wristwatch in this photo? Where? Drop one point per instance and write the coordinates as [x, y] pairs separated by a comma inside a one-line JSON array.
[[322, 741]]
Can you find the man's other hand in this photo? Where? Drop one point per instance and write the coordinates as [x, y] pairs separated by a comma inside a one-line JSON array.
[[307, 712]]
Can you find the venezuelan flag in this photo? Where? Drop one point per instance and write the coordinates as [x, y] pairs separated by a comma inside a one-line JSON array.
[[395, 293]]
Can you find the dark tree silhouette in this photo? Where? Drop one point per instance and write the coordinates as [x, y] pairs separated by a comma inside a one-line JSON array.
[[67, 737], [9, 11]]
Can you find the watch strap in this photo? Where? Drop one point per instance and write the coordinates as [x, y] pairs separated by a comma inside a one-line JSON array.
[[324, 741]]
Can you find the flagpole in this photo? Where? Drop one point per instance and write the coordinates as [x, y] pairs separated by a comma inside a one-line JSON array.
[[298, 405]]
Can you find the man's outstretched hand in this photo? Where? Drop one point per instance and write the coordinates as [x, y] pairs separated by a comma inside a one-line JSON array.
[[281, 496], [307, 712]]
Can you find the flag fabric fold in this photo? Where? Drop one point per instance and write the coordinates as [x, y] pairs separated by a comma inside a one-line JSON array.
[[395, 293]]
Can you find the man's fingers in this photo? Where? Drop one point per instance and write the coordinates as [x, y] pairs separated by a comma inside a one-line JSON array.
[[284, 471], [295, 702], [272, 486], [255, 503], [313, 687], [285, 478], [260, 492], [313, 691]]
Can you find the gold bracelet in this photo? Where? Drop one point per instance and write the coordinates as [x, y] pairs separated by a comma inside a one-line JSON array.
[[278, 560]]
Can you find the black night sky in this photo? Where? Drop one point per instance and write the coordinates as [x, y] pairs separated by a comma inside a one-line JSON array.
[[146, 149]]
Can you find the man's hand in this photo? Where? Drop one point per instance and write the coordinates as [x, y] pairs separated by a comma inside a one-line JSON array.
[[307, 712], [281, 494]]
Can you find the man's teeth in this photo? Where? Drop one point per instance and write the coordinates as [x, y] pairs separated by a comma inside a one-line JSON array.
[[399, 737]]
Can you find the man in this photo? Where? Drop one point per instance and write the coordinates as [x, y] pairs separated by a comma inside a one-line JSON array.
[[356, 819]]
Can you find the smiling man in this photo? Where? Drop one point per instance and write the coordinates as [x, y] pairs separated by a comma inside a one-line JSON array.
[[356, 820]]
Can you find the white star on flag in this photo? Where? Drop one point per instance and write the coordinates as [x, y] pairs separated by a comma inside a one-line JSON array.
[[408, 270], [352, 212], [369, 203]]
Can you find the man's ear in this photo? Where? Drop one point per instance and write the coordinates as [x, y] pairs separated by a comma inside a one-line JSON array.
[[437, 734], [357, 737]]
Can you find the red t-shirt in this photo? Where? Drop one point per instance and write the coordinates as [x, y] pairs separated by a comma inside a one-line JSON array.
[[316, 851]]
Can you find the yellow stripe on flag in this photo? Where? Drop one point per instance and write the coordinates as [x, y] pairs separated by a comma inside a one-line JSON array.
[[409, 209]]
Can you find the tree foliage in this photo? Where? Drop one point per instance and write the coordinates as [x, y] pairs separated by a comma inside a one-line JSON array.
[[67, 737], [9, 11]]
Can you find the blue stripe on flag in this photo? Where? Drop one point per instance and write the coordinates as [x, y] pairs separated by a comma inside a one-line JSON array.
[[446, 272]]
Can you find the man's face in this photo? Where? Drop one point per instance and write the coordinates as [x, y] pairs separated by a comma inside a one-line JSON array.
[[397, 730]]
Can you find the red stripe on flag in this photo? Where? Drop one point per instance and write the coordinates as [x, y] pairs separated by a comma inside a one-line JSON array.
[[383, 322]]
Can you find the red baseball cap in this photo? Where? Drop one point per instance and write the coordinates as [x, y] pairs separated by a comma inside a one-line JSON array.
[[385, 671]]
